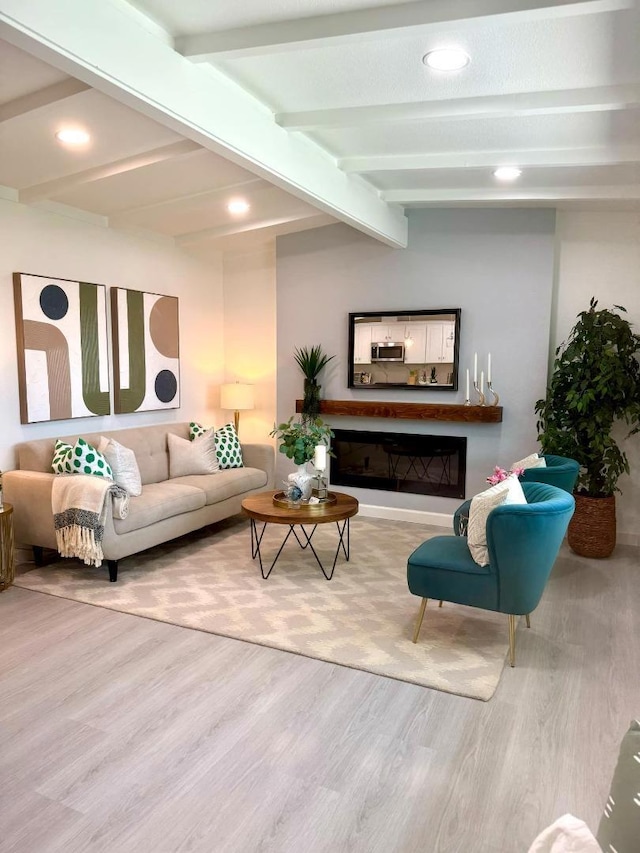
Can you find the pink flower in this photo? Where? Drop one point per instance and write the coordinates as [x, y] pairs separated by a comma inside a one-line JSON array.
[[500, 474]]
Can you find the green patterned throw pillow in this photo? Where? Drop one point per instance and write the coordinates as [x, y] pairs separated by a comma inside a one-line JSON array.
[[196, 429], [61, 462], [228, 448], [87, 460]]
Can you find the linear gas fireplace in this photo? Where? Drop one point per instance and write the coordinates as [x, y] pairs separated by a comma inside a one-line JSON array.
[[400, 462]]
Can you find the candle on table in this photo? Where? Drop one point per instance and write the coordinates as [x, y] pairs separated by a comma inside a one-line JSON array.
[[320, 457], [482, 381], [467, 396], [489, 368], [475, 368]]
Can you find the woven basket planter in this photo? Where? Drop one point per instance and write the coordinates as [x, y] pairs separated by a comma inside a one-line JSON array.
[[592, 530]]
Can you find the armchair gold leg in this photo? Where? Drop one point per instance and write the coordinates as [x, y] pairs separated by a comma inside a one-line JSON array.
[[512, 640], [528, 620], [423, 605]]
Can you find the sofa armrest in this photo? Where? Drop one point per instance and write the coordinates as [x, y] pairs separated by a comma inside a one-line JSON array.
[[29, 492], [261, 456]]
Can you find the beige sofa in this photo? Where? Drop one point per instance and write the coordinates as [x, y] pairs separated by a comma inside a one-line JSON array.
[[167, 508]]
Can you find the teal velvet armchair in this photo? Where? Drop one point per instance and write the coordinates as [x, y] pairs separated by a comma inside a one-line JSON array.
[[560, 471], [523, 540]]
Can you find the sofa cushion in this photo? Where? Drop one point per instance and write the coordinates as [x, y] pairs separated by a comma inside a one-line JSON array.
[[225, 484], [192, 457], [228, 447], [157, 502], [61, 462], [86, 459], [123, 464]]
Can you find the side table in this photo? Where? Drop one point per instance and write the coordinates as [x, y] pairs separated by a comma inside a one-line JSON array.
[[7, 558]]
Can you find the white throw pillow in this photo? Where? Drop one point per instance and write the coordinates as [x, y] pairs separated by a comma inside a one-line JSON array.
[[508, 491], [515, 493], [192, 457], [531, 461], [481, 506], [123, 464], [568, 834]]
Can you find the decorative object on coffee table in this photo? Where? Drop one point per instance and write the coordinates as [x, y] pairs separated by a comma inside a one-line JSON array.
[[595, 383], [311, 361]]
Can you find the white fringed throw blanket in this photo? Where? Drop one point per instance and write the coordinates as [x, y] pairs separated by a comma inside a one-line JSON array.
[[79, 503]]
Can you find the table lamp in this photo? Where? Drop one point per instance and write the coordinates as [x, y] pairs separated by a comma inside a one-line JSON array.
[[238, 397]]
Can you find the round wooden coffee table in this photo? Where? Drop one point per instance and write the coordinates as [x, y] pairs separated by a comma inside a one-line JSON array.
[[261, 508]]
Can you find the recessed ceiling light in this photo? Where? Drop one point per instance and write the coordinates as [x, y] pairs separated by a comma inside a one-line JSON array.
[[507, 173], [73, 136], [238, 206], [446, 59]]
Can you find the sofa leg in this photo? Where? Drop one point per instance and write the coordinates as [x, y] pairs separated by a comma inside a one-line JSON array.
[[38, 555], [113, 570], [512, 640]]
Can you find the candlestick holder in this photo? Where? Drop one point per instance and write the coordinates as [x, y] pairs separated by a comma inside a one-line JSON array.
[[321, 487], [496, 397], [481, 397], [467, 402]]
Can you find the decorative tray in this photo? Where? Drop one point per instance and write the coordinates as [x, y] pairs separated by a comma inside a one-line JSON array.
[[281, 499]]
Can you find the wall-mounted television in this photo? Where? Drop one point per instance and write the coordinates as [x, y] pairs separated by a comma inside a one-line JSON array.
[[415, 350]]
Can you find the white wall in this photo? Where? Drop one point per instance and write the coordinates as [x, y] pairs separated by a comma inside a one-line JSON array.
[[598, 254], [35, 241], [250, 333], [496, 265]]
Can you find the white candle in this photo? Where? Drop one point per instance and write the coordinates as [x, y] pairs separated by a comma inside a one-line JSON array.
[[482, 381], [467, 397], [475, 368], [489, 368], [320, 457]]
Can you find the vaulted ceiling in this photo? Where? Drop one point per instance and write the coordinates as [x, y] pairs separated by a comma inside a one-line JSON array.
[[315, 112]]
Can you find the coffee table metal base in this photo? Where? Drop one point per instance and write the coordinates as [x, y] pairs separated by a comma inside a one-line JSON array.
[[304, 543]]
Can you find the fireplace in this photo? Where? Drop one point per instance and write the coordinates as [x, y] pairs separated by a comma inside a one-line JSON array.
[[400, 462]]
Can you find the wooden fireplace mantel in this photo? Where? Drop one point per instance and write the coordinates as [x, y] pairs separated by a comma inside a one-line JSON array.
[[410, 411]]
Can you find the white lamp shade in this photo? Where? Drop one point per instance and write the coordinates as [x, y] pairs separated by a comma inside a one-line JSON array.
[[236, 396]]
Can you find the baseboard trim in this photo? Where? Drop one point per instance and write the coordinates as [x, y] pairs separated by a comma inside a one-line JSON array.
[[443, 519], [437, 519]]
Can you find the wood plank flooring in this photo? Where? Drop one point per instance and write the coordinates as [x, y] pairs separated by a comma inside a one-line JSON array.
[[122, 734]]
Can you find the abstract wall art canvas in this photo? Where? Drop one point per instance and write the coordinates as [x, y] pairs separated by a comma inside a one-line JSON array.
[[146, 351], [61, 335]]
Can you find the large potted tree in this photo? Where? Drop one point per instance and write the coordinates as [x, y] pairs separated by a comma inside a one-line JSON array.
[[595, 383]]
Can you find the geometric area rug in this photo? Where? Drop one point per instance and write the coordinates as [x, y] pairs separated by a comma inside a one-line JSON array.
[[363, 618]]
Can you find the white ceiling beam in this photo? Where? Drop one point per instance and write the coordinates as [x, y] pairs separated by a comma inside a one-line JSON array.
[[490, 159], [212, 195], [313, 220], [384, 21], [93, 41], [425, 197], [42, 98], [58, 186], [567, 101]]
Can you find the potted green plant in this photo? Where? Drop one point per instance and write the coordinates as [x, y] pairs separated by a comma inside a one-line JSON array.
[[311, 361], [300, 438], [595, 383]]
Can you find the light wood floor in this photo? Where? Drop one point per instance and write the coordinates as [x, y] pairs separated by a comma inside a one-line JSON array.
[[122, 734]]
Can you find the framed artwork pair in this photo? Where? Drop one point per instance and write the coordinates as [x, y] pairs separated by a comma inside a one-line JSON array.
[[62, 349]]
